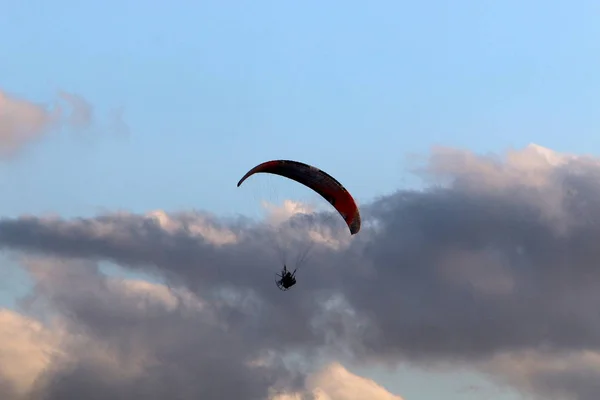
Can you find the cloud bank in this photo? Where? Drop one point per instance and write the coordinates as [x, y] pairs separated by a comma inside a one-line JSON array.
[[105, 337], [493, 266]]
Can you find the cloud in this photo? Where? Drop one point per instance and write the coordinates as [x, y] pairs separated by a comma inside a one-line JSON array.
[[117, 122], [498, 257], [23, 122], [336, 383], [135, 339], [107, 337], [550, 374], [82, 112], [26, 349]]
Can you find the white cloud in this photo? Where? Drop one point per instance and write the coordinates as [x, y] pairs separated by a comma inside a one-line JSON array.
[[278, 214], [196, 225], [324, 231], [142, 294], [24, 122], [530, 166], [21, 122], [26, 349], [336, 383]]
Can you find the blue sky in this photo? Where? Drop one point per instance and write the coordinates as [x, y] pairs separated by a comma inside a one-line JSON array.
[[210, 89]]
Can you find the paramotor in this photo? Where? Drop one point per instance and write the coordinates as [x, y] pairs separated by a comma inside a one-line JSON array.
[[321, 183]]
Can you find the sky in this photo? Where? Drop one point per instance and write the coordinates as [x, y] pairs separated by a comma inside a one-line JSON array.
[[466, 131]]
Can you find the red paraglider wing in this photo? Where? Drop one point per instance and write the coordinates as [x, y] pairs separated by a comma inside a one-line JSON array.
[[319, 181]]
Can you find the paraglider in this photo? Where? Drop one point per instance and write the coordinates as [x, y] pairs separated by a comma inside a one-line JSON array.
[[287, 279], [320, 182]]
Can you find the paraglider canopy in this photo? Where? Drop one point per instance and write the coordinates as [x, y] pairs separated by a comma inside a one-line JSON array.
[[317, 180]]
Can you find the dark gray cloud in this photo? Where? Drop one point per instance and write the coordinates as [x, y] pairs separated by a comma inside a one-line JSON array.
[[498, 256], [143, 341]]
